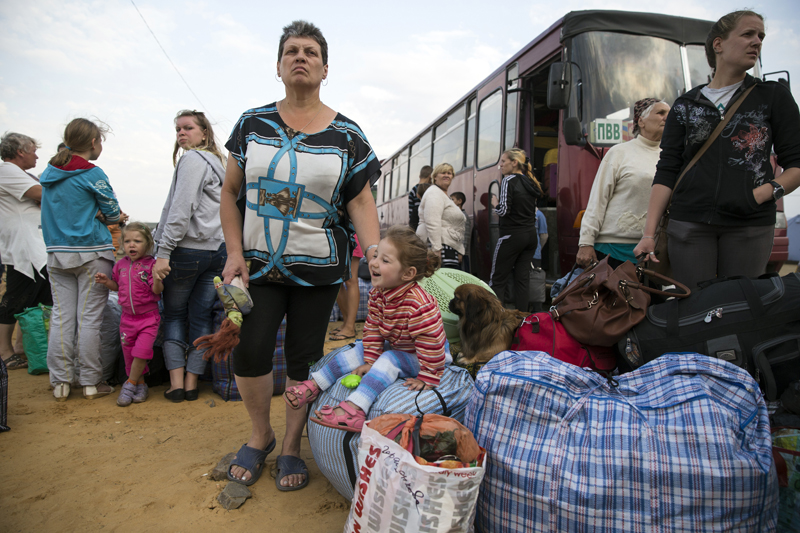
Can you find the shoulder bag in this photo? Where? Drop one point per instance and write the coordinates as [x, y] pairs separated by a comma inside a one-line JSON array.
[[661, 247]]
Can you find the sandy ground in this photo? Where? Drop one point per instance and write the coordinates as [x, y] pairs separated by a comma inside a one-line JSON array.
[[91, 466]]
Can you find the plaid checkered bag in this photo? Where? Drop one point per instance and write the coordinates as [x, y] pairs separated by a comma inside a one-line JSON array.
[[223, 382], [363, 302], [682, 445], [336, 451]]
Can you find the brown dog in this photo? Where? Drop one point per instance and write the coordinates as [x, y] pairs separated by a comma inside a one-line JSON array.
[[486, 327]]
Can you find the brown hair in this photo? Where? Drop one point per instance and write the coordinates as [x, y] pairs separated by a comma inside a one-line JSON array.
[[301, 28], [722, 29], [421, 188], [412, 252], [145, 232], [210, 143], [78, 137], [425, 172], [519, 155]]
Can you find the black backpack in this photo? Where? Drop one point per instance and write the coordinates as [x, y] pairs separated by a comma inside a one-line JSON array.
[[752, 323]]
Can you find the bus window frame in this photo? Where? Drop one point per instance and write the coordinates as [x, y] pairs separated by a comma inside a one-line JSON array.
[[470, 100], [502, 92]]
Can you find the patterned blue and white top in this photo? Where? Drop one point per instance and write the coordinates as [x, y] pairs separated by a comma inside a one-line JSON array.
[[294, 196]]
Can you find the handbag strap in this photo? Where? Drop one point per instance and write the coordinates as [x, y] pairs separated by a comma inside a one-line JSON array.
[[713, 137]]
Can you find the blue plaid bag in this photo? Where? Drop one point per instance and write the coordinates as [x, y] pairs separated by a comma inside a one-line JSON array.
[[363, 302], [682, 445], [336, 451], [223, 381]]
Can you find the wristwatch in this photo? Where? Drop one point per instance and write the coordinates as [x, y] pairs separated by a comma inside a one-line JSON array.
[[777, 190]]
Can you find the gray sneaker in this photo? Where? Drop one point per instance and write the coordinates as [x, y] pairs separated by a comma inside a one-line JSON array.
[[91, 392], [127, 394], [141, 393]]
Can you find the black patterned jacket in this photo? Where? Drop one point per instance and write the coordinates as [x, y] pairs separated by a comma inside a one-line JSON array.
[[719, 188]]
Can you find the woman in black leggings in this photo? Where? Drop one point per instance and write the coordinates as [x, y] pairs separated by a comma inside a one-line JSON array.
[[519, 191]]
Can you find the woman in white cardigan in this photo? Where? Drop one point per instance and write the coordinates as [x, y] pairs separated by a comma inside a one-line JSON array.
[[440, 220], [615, 215]]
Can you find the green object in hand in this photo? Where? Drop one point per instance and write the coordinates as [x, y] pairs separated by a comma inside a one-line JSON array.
[[351, 381]]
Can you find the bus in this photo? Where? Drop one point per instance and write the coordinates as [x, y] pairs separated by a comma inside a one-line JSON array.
[[565, 98]]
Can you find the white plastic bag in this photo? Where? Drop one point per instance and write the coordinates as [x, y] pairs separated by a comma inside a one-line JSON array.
[[395, 493]]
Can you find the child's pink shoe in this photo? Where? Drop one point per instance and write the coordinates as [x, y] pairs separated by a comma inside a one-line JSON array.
[[353, 419], [303, 393]]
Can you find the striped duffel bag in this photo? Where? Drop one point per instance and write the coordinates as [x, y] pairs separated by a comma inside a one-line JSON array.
[[682, 445], [336, 451]]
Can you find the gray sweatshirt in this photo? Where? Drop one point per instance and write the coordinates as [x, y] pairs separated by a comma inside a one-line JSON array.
[[190, 218]]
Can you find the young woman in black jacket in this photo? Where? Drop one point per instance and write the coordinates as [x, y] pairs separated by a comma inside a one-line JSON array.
[[722, 215], [516, 246]]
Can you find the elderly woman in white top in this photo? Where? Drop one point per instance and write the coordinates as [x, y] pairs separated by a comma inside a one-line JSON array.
[[440, 220], [21, 244], [615, 215]]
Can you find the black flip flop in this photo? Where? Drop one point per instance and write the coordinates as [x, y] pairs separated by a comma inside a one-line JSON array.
[[286, 465], [252, 460]]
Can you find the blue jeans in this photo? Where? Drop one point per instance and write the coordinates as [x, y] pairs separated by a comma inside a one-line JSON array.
[[188, 299]]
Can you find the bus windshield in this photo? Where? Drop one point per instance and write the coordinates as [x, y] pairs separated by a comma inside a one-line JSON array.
[[614, 70]]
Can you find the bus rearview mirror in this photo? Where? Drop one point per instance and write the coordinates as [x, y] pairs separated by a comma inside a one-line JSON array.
[[558, 85], [573, 132]]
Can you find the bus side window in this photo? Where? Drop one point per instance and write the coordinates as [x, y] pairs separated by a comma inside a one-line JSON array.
[[490, 130]]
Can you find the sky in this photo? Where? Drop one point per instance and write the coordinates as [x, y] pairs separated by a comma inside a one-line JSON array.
[[393, 67]]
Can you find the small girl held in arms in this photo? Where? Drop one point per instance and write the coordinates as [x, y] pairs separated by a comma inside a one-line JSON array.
[[139, 293], [403, 335]]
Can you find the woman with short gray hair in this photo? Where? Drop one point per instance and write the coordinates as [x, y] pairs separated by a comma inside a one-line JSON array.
[[21, 244], [302, 176]]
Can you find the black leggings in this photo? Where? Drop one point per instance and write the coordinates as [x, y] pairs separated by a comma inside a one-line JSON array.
[[307, 310], [514, 250]]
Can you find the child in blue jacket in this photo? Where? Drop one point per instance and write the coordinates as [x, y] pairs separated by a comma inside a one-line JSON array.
[[77, 203]]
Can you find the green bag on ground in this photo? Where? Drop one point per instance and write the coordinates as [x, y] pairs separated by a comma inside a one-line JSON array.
[[34, 323]]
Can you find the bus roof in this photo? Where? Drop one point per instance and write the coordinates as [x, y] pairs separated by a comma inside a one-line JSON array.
[[678, 29]]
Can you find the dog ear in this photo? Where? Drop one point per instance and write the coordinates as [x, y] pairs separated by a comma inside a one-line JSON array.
[[475, 307]]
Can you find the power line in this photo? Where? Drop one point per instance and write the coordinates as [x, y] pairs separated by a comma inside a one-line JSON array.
[[171, 63]]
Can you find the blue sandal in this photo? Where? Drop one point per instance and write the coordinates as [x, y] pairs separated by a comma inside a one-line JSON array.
[[252, 460], [286, 465]]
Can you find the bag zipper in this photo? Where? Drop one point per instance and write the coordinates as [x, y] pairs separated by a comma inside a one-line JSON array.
[[707, 316]]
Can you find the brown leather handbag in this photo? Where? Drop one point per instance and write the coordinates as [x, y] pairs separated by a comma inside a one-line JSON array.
[[603, 303]]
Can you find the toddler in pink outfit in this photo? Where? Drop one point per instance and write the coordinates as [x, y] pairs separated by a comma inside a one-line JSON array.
[[139, 293]]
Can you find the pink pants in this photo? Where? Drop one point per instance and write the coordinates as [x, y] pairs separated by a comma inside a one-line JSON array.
[[137, 334]]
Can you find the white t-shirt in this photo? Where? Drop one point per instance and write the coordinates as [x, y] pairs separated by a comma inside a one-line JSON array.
[[21, 241], [720, 97]]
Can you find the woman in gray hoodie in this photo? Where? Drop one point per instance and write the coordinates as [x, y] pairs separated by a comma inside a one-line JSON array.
[[191, 251]]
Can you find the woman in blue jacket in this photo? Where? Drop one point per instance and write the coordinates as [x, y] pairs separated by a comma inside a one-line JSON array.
[[77, 203]]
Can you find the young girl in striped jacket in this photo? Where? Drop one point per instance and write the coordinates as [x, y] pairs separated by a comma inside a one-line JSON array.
[[403, 335]]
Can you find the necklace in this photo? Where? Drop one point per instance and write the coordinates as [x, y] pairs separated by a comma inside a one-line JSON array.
[[309, 122]]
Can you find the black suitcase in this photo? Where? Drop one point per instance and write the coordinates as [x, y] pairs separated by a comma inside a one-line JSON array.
[[752, 323]]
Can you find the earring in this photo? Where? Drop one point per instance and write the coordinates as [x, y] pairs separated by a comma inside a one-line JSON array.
[[325, 82], [277, 77]]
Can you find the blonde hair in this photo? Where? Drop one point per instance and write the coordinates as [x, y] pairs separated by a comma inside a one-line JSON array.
[[412, 252], [440, 168], [78, 137], [722, 29], [209, 144], [144, 231], [521, 158]]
